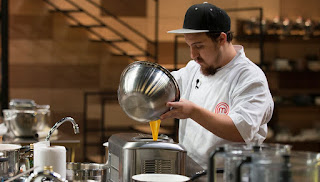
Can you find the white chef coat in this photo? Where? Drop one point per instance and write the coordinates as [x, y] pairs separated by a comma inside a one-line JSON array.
[[238, 89]]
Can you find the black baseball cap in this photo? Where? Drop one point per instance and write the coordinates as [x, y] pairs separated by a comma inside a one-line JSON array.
[[204, 18]]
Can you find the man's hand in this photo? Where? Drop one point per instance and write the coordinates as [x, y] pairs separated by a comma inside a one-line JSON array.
[[181, 110], [219, 124]]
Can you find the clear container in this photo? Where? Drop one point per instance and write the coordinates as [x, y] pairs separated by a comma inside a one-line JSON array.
[[26, 123], [235, 154], [291, 167]]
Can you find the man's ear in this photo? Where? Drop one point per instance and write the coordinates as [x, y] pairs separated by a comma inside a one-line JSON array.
[[222, 38]]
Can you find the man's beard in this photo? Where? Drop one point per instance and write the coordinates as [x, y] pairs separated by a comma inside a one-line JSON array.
[[207, 71], [210, 70]]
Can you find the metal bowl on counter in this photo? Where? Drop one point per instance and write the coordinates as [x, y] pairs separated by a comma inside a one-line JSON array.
[[144, 90], [86, 171], [25, 123]]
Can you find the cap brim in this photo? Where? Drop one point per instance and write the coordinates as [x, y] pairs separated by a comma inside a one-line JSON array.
[[184, 30]]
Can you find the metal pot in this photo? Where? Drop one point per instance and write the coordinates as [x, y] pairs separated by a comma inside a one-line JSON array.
[[144, 90], [9, 160], [86, 171]]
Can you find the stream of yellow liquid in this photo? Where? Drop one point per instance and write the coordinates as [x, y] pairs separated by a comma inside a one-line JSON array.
[[155, 125]]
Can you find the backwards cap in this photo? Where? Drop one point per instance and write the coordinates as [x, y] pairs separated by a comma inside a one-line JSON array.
[[204, 18]]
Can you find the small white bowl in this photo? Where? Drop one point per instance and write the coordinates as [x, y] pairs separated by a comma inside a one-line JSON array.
[[160, 178]]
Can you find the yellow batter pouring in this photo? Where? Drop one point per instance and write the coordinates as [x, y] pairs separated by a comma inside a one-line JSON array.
[[155, 125]]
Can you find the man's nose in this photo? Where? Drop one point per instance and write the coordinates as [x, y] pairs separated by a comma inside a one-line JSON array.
[[194, 53]]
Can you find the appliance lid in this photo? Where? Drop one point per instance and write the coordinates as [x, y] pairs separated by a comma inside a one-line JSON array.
[[123, 138], [154, 145], [139, 141]]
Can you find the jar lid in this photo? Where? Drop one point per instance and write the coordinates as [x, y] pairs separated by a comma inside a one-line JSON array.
[[22, 104]]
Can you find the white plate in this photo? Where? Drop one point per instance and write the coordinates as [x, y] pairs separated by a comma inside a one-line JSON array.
[[160, 178]]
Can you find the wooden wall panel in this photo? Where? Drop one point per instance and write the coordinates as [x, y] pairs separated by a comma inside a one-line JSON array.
[[31, 51], [63, 32], [54, 76], [295, 8], [31, 27], [125, 7], [28, 7], [61, 100], [42, 96]]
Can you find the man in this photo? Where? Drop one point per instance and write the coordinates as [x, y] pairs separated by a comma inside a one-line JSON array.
[[224, 96]]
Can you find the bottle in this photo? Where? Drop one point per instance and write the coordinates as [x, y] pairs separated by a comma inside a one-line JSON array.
[[274, 26], [316, 29], [308, 28], [297, 28], [48, 169], [29, 155], [285, 26]]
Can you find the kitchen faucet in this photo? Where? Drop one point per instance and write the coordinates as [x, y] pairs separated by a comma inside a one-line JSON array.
[[75, 126]]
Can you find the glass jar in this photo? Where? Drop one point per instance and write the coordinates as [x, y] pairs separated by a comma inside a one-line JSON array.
[[235, 154], [282, 167]]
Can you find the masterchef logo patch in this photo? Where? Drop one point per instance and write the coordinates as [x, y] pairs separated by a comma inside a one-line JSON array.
[[222, 108]]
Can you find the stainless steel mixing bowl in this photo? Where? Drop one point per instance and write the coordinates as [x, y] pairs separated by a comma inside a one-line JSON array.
[[144, 90], [25, 123]]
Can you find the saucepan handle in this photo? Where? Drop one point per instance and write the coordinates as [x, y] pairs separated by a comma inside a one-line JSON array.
[[198, 175], [4, 159]]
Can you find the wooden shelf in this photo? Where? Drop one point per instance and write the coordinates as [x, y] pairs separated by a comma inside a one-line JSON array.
[[294, 91], [290, 82]]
